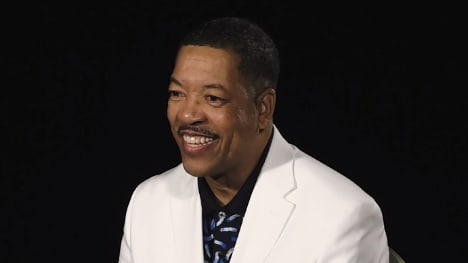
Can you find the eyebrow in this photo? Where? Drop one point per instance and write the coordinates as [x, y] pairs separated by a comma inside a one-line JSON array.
[[175, 81], [207, 86]]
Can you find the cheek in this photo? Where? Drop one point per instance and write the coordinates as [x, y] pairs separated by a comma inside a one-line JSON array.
[[239, 124], [246, 118]]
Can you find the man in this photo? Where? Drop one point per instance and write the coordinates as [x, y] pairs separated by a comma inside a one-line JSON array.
[[243, 193]]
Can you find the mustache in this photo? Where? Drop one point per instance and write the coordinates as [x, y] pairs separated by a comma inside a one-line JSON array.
[[196, 129]]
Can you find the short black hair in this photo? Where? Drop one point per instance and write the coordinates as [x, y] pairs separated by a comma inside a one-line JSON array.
[[259, 57]]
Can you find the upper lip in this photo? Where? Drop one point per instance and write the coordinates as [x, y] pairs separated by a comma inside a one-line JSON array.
[[195, 131]]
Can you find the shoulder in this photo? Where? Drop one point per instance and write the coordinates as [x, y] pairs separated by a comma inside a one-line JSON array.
[[321, 182], [328, 196], [313, 178], [163, 185]]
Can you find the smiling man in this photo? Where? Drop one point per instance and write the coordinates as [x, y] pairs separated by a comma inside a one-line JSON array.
[[242, 193], [220, 131]]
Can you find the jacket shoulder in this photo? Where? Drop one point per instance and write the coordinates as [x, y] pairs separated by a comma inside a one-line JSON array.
[[164, 184], [322, 180]]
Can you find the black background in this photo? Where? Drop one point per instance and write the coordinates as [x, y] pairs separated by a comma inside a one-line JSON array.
[[374, 92]]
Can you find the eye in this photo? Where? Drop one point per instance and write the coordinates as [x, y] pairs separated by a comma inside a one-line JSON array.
[[216, 101], [175, 95], [212, 98]]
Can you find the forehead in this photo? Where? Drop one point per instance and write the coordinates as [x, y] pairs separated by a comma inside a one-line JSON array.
[[206, 61]]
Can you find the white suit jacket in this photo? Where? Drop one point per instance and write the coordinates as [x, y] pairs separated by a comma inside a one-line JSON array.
[[300, 211]]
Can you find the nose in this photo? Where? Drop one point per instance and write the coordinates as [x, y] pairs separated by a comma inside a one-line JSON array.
[[191, 111]]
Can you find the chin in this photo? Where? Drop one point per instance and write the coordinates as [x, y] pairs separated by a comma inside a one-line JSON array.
[[194, 171]]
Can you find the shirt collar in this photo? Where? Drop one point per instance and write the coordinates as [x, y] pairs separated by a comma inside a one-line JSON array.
[[238, 204]]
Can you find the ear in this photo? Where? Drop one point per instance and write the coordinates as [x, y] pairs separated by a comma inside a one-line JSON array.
[[266, 102]]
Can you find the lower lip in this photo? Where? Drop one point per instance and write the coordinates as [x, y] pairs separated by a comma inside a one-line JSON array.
[[197, 149]]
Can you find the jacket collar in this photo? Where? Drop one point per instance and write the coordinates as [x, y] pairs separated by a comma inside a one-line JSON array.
[[267, 212], [269, 209]]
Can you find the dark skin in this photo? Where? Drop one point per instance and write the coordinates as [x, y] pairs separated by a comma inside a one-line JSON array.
[[220, 130]]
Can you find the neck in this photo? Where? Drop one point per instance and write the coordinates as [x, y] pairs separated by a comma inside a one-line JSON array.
[[225, 187], [224, 193]]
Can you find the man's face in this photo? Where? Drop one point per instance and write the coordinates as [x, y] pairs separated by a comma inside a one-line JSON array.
[[212, 119]]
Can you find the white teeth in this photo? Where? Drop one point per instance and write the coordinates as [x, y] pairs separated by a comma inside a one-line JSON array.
[[197, 139]]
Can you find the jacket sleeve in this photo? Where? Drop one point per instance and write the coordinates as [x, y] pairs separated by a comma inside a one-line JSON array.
[[360, 238], [125, 255]]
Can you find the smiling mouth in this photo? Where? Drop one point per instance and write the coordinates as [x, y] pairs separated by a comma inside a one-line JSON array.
[[196, 137], [197, 141]]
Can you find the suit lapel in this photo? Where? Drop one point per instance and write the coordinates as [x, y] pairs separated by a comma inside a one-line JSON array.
[[186, 219], [269, 210], [266, 216]]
